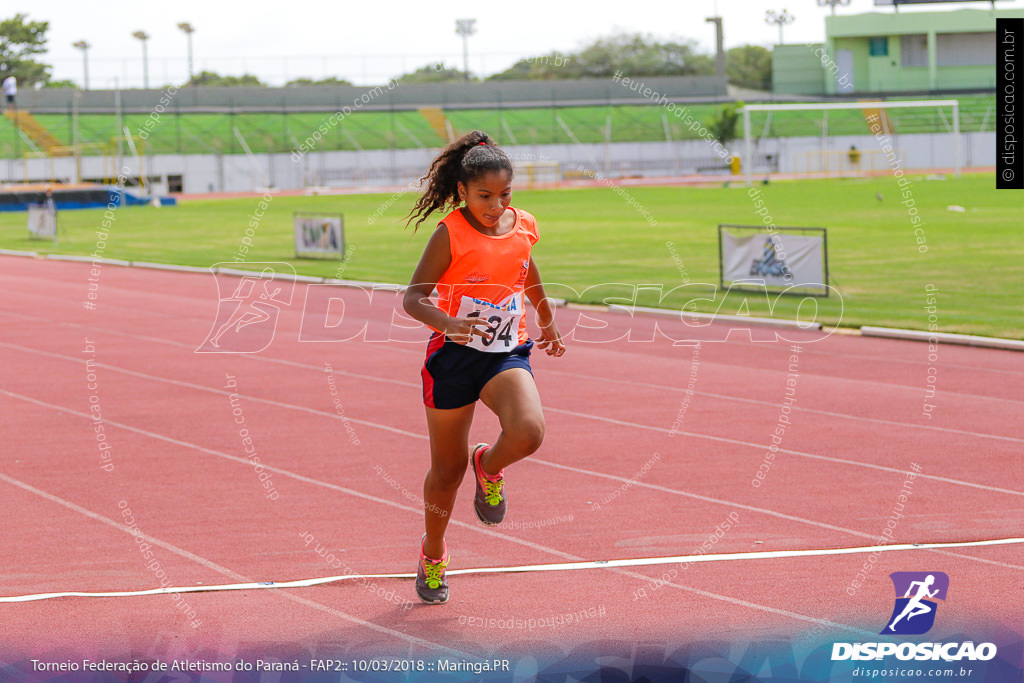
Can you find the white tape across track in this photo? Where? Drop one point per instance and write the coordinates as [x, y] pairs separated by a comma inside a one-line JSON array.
[[562, 566]]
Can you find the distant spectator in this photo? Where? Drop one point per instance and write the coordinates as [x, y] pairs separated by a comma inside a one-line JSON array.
[[10, 89], [854, 156]]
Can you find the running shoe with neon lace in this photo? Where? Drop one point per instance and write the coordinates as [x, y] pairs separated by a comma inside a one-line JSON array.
[[490, 500], [431, 585]]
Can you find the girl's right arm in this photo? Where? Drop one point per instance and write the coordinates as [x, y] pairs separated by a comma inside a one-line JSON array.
[[435, 261]]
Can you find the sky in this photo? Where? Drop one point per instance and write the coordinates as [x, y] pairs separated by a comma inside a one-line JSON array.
[[369, 42]]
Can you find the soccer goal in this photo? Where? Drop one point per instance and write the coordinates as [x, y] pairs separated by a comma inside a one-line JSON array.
[[538, 173], [837, 139]]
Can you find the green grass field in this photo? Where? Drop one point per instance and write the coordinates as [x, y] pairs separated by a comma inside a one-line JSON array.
[[213, 133], [594, 236]]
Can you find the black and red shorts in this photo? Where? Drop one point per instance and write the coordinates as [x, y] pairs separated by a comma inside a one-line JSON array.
[[454, 375]]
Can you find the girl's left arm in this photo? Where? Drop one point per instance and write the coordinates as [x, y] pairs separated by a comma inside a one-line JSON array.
[[550, 339]]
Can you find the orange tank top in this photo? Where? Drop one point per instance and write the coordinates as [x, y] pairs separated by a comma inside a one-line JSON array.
[[488, 274]]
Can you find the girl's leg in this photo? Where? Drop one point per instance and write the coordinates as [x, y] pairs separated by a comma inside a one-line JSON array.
[[512, 395], [449, 456]]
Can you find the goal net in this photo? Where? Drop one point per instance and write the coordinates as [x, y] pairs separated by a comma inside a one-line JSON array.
[[538, 173], [850, 139], [853, 163]]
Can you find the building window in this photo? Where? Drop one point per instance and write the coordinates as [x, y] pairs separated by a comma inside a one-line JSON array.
[[878, 47], [966, 49], [914, 50]]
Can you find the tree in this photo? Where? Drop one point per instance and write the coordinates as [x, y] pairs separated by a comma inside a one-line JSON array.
[[632, 54], [434, 73], [546, 67], [19, 41], [60, 84], [213, 79], [722, 123], [332, 80], [640, 55], [749, 66]]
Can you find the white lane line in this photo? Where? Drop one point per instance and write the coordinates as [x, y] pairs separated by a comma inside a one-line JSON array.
[[386, 380], [286, 473], [391, 347], [365, 496], [575, 470], [813, 456], [760, 369], [209, 564], [552, 464], [735, 341], [541, 548], [418, 512], [608, 420], [538, 461], [222, 392], [708, 594], [551, 567], [775, 404]]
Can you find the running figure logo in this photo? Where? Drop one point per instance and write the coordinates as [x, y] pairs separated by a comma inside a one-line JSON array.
[[914, 612], [247, 318]]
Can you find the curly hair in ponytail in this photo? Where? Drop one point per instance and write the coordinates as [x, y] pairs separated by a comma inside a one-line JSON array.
[[466, 159]]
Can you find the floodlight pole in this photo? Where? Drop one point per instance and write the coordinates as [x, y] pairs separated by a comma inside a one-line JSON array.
[[465, 28], [84, 47], [833, 3], [188, 29], [142, 37], [719, 46], [748, 150], [781, 18], [75, 98]]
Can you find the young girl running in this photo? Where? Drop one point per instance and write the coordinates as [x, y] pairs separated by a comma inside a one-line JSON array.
[[479, 261]]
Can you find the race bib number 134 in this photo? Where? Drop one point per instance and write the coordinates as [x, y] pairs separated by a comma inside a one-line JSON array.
[[502, 332]]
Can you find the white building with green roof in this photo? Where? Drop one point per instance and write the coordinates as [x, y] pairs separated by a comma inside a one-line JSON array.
[[894, 52]]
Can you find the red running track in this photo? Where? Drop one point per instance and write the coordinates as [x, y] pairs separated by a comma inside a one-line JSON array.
[[650, 448]]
